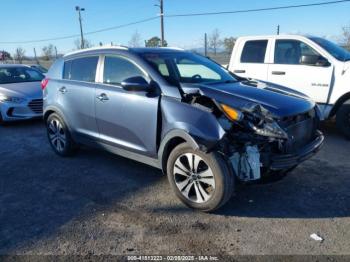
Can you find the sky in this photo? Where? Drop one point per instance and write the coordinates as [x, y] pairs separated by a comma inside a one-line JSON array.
[[25, 20]]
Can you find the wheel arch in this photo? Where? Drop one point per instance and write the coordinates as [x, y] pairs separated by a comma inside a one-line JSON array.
[[339, 103], [172, 140]]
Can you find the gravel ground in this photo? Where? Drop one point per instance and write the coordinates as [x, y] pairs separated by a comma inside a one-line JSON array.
[[98, 203]]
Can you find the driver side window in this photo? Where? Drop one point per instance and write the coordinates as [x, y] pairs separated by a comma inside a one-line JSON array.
[[293, 52], [117, 69]]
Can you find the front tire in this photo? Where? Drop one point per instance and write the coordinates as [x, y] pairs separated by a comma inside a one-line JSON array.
[[343, 119], [59, 136], [201, 180]]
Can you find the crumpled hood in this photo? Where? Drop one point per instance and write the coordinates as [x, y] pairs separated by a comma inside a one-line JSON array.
[[28, 90], [279, 101]]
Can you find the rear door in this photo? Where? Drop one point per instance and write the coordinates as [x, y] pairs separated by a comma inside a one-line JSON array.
[[294, 66], [76, 94], [252, 59], [125, 119]]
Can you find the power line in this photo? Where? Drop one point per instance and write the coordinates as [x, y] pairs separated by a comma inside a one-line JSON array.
[[88, 33], [258, 9], [177, 15]]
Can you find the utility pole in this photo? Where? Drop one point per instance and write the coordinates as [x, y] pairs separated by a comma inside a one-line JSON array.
[[56, 52], [205, 45], [79, 9], [161, 8], [278, 29], [35, 57]]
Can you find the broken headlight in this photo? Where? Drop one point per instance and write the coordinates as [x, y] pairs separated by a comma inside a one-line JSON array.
[[269, 129]]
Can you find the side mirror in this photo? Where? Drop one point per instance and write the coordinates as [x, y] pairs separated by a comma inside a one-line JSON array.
[[314, 60], [136, 83], [322, 61]]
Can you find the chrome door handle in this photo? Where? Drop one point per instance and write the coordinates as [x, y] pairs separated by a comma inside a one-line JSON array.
[[63, 90], [102, 97], [239, 71]]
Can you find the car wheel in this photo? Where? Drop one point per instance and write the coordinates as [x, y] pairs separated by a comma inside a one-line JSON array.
[[59, 136], [343, 119], [201, 180]]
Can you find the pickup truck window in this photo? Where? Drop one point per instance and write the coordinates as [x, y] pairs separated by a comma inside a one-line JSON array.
[[294, 52], [335, 50], [254, 51]]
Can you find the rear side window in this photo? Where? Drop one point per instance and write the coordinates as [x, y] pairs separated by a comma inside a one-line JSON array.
[[81, 69], [254, 51], [117, 69]]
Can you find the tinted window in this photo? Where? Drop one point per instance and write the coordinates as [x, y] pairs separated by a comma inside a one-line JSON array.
[[117, 69], [18, 75], [81, 69], [291, 52], [335, 50], [254, 51]]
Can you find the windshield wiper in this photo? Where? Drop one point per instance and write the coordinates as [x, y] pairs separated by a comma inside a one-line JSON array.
[[222, 82]]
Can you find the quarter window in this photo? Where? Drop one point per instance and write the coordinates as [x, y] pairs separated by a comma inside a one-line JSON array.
[[254, 51], [81, 69], [294, 52], [117, 69]]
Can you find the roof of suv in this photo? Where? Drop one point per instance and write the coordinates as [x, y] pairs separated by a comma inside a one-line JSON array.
[[135, 50]]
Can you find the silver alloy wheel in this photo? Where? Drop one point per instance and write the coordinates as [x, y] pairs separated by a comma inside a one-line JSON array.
[[194, 178], [57, 135]]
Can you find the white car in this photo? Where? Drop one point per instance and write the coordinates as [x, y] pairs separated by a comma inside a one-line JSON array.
[[20, 93], [311, 65]]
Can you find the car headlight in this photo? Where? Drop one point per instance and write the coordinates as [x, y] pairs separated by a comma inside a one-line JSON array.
[[269, 129], [11, 99]]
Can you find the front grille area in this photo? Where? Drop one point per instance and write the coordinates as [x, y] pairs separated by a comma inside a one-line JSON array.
[[36, 106], [301, 130]]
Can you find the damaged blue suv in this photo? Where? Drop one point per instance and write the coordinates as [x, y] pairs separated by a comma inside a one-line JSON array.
[[180, 112]]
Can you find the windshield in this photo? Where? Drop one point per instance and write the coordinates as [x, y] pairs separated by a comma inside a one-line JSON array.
[[40, 68], [10, 75], [335, 50], [182, 67]]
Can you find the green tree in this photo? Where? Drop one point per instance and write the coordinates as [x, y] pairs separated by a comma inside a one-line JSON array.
[[155, 42], [4, 55], [229, 43]]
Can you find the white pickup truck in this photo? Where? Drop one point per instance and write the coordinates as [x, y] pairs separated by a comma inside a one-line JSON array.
[[310, 65]]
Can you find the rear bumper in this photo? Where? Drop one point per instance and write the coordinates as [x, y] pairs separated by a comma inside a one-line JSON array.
[[287, 161]]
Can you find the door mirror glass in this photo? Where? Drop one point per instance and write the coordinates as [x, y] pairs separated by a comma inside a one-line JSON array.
[[136, 83], [314, 60], [309, 59]]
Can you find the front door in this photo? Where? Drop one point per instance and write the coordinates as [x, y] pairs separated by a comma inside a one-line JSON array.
[[126, 119], [300, 67]]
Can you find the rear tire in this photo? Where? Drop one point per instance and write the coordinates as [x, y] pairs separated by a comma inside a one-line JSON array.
[[59, 136], [343, 119], [200, 180]]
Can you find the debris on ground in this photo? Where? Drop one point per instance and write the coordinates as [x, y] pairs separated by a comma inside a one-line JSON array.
[[316, 237]]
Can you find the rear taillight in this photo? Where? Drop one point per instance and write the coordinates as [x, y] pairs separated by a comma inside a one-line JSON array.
[[44, 83]]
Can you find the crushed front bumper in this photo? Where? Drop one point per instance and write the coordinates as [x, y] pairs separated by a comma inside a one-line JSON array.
[[286, 161]]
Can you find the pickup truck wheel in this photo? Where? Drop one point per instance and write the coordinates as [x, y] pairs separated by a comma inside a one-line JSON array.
[[343, 119], [201, 181], [59, 136]]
